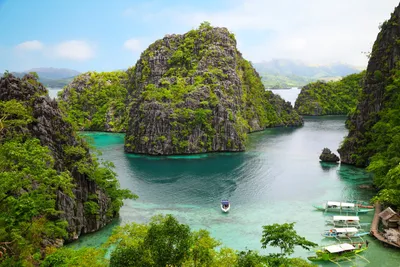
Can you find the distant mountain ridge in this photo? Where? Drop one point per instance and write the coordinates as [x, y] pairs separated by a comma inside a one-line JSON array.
[[51, 77], [284, 73], [294, 67], [54, 73]]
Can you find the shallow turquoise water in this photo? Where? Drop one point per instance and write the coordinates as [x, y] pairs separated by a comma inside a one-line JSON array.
[[275, 181]]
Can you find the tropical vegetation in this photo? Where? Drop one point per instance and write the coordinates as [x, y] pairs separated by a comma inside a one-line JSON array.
[[166, 242], [330, 98], [204, 96], [33, 175], [97, 101], [382, 152], [374, 126]]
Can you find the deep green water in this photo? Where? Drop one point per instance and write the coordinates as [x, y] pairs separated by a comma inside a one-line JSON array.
[[275, 181]]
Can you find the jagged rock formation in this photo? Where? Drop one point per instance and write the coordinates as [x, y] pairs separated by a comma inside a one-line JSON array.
[[284, 111], [195, 93], [330, 98], [375, 97], [97, 101], [91, 207], [328, 156]]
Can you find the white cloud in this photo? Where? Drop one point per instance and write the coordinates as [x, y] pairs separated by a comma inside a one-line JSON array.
[[30, 46], [314, 31], [74, 50], [133, 45]]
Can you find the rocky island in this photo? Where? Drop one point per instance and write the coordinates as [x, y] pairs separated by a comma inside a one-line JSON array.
[[195, 93], [330, 98], [97, 101], [328, 156]]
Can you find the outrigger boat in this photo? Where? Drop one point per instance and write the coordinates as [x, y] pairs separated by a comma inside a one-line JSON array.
[[341, 207], [344, 233], [225, 205], [339, 252], [345, 221]]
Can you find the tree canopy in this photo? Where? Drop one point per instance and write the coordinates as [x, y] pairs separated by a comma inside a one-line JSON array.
[[285, 237]]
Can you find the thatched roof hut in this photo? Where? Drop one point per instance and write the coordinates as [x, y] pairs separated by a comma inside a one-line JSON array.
[[389, 218]]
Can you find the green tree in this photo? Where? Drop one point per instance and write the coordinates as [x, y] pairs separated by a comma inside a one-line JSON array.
[[34, 74], [285, 237], [13, 114], [203, 249], [131, 256], [205, 25], [97, 101], [84, 257], [130, 250], [168, 241], [251, 258], [28, 198]]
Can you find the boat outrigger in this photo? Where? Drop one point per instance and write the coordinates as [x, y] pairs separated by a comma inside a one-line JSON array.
[[345, 221], [344, 233], [342, 207], [225, 205], [339, 252]]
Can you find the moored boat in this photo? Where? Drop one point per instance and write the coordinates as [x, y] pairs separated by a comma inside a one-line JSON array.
[[341, 207], [345, 221], [343, 233], [339, 252], [225, 205]]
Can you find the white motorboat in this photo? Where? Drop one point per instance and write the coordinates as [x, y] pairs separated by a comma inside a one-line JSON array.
[[225, 205]]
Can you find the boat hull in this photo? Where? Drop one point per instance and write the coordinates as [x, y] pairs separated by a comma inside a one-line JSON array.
[[325, 256], [344, 236], [225, 209], [359, 211]]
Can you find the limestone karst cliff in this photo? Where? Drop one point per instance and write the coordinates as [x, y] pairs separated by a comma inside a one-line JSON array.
[[97, 101], [195, 93], [27, 113], [376, 96], [330, 98]]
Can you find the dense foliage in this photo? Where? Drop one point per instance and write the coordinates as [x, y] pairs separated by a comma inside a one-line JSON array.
[[33, 174], [374, 126], [285, 237], [384, 146], [166, 242], [330, 98], [97, 101]]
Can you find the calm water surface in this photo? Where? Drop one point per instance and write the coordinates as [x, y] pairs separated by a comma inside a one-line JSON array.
[[53, 91], [276, 180]]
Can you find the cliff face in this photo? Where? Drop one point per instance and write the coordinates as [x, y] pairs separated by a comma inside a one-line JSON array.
[[374, 97], [49, 126], [330, 98], [195, 93], [97, 101]]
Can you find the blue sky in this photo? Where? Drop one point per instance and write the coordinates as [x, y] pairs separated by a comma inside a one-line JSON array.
[[107, 35]]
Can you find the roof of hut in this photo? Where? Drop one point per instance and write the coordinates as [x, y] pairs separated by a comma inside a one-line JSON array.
[[387, 214]]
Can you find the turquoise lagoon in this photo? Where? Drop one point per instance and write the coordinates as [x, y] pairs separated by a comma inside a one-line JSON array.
[[276, 180]]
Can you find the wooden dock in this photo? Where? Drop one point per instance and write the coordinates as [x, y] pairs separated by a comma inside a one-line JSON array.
[[374, 227]]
